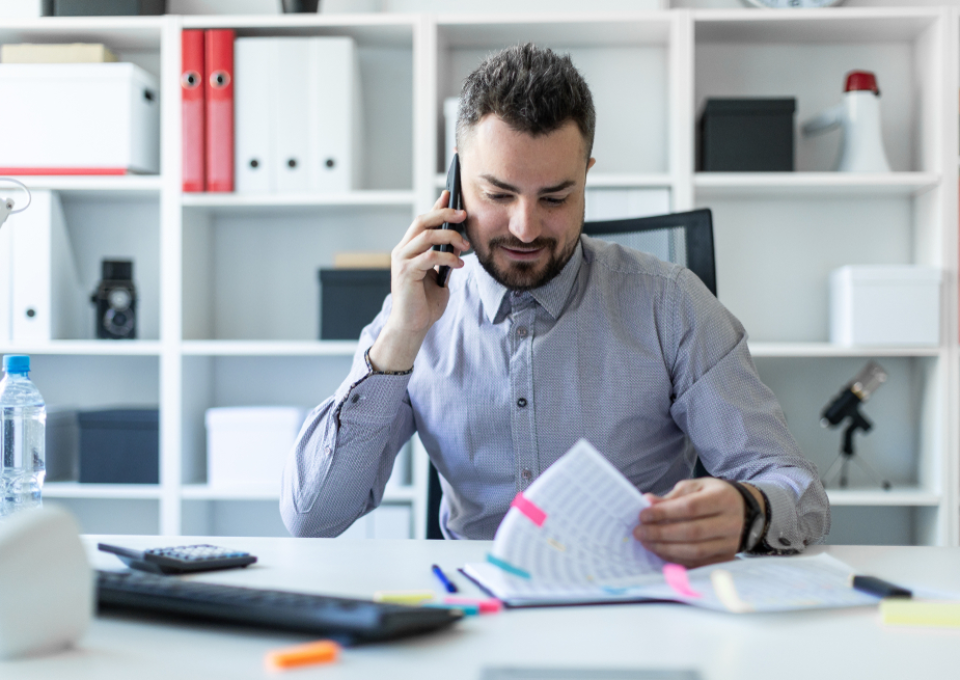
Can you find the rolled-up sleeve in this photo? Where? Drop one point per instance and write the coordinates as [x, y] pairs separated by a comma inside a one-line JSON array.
[[736, 424]]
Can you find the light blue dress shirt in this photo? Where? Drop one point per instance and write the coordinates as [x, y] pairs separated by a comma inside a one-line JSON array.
[[632, 353]]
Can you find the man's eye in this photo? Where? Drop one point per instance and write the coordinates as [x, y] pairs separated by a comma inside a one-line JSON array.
[[553, 200], [498, 197]]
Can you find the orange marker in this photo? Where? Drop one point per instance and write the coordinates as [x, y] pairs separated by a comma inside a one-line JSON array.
[[322, 651]]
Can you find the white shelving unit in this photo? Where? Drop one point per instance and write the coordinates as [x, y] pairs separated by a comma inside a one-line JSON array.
[[229, 282]]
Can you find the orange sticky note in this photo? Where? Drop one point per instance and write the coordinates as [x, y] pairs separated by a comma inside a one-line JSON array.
[[322, 651]]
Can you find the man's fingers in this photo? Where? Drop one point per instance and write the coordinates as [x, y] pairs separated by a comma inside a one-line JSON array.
[[694, 554], [683, 508], [424, 241], [718, 526]]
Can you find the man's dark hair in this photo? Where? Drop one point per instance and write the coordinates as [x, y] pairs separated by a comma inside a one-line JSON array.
[[533, 89]]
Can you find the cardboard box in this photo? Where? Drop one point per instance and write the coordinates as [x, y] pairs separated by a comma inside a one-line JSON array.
[[79, 119], [885, 305], [247, 446]]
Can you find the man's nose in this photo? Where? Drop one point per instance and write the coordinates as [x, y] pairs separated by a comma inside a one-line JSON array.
[[524, 221]]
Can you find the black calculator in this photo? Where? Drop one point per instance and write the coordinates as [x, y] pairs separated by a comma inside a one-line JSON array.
[[182, 559]]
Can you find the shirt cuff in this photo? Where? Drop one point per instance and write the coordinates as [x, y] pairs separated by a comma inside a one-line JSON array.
[[371, 396], [782, 536]]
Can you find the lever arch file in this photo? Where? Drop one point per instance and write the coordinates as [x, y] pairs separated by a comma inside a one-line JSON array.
[[193, 105], [218, 86]]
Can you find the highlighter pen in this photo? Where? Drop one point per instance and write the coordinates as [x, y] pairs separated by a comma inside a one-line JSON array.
[[875, 586], [447, 583]]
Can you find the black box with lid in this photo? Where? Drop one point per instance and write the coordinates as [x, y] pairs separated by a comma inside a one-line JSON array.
[[747, 135], [120, 446], [349, 300]]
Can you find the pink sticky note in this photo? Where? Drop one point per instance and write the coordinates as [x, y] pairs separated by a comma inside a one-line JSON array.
[[490, 605], [676, 577], [533, 513]]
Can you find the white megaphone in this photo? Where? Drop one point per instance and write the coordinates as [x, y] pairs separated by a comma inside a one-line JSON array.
[[861, 149]]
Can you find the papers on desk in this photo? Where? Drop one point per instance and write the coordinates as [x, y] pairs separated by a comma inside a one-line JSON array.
[[568, 539]]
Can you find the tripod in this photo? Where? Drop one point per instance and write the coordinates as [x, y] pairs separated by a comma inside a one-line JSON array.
[[857, 422]]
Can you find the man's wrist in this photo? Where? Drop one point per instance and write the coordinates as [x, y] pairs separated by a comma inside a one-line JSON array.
[[394, 353], [756, 517]]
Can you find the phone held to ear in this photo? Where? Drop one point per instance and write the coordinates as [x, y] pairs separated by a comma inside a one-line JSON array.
[[455, 202]]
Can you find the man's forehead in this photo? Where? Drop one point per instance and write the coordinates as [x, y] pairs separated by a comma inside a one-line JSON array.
[[491, 129]]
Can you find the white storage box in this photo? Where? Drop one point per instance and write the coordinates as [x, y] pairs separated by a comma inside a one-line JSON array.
[[885, 305], [247, 446], [78, 119]]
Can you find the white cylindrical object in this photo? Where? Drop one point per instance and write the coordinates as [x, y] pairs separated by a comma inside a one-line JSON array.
[[862, 146]]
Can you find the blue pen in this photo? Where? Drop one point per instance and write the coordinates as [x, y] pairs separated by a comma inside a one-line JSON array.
[[447, 583]]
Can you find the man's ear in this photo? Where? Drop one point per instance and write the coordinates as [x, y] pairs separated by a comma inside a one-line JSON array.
[[590, 163]]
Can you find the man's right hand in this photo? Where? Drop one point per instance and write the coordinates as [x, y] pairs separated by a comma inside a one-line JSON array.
[[418, 302]]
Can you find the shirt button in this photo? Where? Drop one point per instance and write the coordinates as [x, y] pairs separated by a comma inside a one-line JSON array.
[[521, 402], [522, 331], [784, 541], [526, 474], [355, 398]]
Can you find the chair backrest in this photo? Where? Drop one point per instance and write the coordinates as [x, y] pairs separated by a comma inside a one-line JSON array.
[[684, 238]]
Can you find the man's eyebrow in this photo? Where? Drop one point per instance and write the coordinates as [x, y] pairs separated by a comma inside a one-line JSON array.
[[509, 187]]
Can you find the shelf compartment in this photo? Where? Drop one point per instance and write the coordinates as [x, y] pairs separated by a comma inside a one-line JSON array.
[[340, 348], [807, 56], [627, 59], [757, 184], [102, 491]]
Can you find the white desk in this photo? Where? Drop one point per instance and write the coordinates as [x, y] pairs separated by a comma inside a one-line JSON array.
[[848, 644]]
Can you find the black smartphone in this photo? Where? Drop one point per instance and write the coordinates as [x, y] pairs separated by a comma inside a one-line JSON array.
[[455, 202]]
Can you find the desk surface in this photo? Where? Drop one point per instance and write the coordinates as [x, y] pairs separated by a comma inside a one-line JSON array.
[[844, 644]]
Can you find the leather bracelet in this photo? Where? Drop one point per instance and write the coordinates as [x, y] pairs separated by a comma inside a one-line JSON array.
[[752, 511], [376, 371]]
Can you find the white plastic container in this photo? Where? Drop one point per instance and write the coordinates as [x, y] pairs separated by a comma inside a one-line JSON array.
[[247, 446], [885, 305], [79, 119]]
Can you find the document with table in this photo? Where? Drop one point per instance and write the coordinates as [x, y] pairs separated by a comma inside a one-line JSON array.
[[568, 539]]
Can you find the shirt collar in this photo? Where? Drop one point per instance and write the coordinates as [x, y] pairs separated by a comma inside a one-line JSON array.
[[552, 296]]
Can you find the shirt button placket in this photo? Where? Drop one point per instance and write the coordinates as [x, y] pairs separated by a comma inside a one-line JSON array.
[[524, 427]]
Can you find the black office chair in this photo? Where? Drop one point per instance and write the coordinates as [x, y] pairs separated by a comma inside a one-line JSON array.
[[685, 238]]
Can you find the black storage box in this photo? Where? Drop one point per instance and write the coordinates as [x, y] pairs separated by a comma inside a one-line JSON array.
[[83, 8], [120, 446], [747, 135], [349, 300]]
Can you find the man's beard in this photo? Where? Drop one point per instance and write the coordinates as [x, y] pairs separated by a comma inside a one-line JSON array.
[[522, 275]]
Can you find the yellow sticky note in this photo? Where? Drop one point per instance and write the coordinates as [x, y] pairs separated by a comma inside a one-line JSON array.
[[403, 596], [903, 612], [726, 591]]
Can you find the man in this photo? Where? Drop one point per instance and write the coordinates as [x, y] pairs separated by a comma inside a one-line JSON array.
[[544, 336]]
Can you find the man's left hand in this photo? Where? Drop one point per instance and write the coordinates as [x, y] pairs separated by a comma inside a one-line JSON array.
[[699, 522]]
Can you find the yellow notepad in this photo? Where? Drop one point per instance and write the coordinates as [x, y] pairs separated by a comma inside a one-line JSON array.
[[903, 612]]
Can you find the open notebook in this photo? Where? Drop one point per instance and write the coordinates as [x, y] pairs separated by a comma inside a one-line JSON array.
[[568, 539]]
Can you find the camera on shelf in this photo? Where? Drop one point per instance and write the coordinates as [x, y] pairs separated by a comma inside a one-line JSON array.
[[116, 301]]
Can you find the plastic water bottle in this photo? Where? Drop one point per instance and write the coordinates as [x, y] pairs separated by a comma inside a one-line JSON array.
[[23, 420]]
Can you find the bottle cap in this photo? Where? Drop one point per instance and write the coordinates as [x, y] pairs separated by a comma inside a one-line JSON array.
[[862, 80], [16, 363]]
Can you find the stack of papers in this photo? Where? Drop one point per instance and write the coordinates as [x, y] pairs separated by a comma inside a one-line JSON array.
[[568, 539]]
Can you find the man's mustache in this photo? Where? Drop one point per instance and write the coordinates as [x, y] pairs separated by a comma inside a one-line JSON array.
[[517, 244]]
